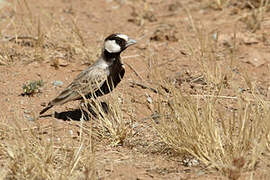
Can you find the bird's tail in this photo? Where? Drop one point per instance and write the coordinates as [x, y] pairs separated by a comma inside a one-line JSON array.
[[46, 109]]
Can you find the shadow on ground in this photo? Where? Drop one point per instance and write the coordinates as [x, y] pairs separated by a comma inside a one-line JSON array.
[[78, 114]]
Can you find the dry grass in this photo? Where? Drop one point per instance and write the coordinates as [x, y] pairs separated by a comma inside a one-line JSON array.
[[220, 126], [113, 122], [38, 153], [253, 17], [225, 129], [230, 140]]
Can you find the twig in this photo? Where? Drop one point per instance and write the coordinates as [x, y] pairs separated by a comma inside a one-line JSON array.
[[132, 56], [143, 86], [196, 79], [134, 71], [223, 97], [66, 148], [168, 14], [5, 39], [36, 127]]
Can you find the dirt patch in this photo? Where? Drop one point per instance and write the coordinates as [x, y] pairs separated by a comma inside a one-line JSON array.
[[54, 41]]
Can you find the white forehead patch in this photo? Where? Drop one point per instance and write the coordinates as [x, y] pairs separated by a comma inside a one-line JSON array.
[[111, 46], [123, 36]]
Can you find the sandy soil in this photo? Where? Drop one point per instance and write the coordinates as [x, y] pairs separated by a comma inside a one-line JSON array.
[[73, 32]]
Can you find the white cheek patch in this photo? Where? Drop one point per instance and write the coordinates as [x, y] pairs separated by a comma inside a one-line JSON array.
[[112, 47], [123, 36]]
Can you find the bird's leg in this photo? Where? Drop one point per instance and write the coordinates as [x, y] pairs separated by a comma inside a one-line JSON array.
[[105, 107], [89, 107]]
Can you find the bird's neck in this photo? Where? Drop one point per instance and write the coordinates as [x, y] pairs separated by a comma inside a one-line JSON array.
[[107, 56]]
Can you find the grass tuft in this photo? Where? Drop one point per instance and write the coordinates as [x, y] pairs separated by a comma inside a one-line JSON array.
[[27, 153], [112, 122], [229, 140]]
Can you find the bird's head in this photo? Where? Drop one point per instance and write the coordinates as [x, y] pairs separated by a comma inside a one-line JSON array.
[[116, 43]]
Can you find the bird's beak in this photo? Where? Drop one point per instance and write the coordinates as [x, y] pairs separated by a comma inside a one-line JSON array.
[[130, 42]]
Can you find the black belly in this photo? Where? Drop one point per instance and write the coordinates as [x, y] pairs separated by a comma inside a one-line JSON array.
[[108, 86]]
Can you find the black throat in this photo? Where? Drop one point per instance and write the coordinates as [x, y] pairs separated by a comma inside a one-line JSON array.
[[108, 55]]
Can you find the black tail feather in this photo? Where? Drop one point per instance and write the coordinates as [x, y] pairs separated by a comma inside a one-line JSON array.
[[46, 109]]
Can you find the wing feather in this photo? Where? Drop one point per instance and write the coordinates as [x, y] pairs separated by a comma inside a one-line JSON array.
[[88, 81]]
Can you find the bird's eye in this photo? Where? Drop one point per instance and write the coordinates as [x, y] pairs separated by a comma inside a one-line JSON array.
[[120, 42]]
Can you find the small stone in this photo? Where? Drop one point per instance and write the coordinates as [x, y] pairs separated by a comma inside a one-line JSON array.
[[257, 62], [215, 36], [120, 100], [190, 162], [135, 125], [241, 90], [58, 83], [29, 118], [70, 132], [35, 64], [26, 111], [255, 58], [149, 99], [156, 116], [63, 62]]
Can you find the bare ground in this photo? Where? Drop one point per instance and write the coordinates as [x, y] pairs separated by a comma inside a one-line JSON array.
[[36, 35]]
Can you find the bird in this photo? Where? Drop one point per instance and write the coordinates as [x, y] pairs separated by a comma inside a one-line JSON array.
[[101, 77]]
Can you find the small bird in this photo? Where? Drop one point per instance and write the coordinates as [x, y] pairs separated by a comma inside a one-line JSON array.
[[101, 77]]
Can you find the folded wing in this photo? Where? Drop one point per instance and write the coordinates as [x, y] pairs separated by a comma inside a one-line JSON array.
[[87, 82]]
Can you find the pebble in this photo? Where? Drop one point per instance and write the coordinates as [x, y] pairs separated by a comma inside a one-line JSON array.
[[135, 125], [29, 118], [191, 162], [70, 132], [215, 36], [241, 90], [26, 111], [149, 99], [58, 83]]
